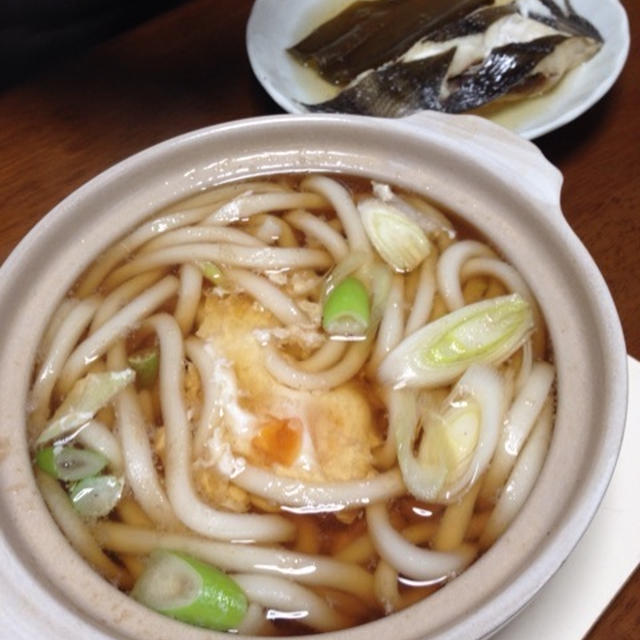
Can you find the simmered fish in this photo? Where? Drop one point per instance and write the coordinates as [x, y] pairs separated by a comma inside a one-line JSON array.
[[367, 34], [501, 52], [395, 90]]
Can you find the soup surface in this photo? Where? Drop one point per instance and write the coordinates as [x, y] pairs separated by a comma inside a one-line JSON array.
[[291, 405]]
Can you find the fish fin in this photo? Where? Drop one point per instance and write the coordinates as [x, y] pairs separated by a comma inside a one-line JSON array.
[[567, 21]]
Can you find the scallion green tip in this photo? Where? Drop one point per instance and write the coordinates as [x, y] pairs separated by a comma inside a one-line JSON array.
[[187, 589], [346, 310]]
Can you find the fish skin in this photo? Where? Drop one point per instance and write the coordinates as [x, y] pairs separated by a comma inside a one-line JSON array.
[[369, 37], [394, 90], [476, 22], [399, 89], [499, 73]]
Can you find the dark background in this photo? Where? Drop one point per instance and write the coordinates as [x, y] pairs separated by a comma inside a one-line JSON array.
[[36, 34]]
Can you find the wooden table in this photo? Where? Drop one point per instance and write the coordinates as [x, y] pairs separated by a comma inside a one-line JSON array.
[[188, 68]]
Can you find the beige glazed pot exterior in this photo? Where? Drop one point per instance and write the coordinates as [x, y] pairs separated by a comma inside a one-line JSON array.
[[497, 182]]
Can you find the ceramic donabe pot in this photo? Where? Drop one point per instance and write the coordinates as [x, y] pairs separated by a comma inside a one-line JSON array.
[[497, 182]]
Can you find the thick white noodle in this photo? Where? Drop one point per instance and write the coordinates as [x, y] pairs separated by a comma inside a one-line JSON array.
[[188, 297], [324, 233], [301, 567], [341, 270], [390, 334], [386, 586], [124, 320], [454, 521], [255, 622], [75, 529], [225, 255], [423, 299], [517, 425], [146, 402], [245, 206], [187, 506], [360, 551], [284, 595], [344, 208], [380, 278], [324, 357], [509, 377], [391, 328], [449, 267], [292, 376], [498, 269], [319, 497], [420, 533], [140, 468], [525, 367], [272, 229], [70, 330], [522, 478], [270, 296], [123, 295], [123, 249], [385, 455], [211, 410], [188, 235], [97, 436], [55, 322], [409, 560], [218, 195]]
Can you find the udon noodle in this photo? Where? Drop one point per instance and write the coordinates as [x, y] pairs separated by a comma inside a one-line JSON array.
[[315, 393]]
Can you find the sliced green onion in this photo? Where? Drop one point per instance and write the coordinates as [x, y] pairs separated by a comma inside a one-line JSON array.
[[399, 241], [211, 271], [346, 310], [87, 396], [96, 497], [70, 463], [484, 332], [458, 441], [146, 364], [45, 459], [381, 278], [420, 479], [451, 438], [182, 587]]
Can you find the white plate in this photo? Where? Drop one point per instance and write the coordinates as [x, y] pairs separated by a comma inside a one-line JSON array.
[[275, 25]]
